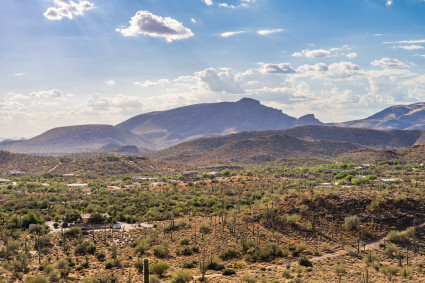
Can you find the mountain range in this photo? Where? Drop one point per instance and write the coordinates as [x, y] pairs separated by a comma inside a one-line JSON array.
[[162, 129]]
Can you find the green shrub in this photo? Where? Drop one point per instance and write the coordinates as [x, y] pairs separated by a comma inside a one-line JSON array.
[[304, 262], [36, 279], [160, 251], [398, 237], [228, 272], [159, 268], [351, 223], [184, 241], [229, 254], [181, 277], [292, 219], [139, 265], [190, 265]]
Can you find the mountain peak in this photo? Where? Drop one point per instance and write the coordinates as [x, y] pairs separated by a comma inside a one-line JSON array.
[[246, 100]]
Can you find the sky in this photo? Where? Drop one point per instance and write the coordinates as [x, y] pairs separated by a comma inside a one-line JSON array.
[[71, 62]]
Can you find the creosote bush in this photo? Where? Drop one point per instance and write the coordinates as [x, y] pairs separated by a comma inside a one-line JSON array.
[[351, 223], [159, 268]]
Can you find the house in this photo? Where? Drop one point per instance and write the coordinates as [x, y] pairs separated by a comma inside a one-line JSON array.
[[85, 217], [83, 185], [189, 173], [68, 175], [17, 173], [2, 181]]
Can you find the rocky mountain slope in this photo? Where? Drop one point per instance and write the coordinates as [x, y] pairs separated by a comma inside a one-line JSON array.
[[166, 128], [403, 117], [73, 139]]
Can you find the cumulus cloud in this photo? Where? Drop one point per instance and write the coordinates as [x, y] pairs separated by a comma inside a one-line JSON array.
[[388, 63], [225, 5], [389, 3], [110, 82], [154, 83], [352, 55], [117, 104], [343, 70], [67, 9], [266, 32], [222, 81], [53, 93], [282, 68], [317, 53], [319, 67], [231, 33], [409, 47], [208, 2], [146, 23]]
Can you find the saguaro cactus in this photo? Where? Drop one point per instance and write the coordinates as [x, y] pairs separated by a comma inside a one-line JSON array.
[[146, 270]]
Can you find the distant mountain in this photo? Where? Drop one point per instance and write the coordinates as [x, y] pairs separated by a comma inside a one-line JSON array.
[[254, 150], [170, 127], [402, 117], [73, 139], [298, 142]]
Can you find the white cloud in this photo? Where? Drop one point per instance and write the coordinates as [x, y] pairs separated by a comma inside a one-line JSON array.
[[409, 47], [319, 67], [67, 9], [222, 81], [150, 84], [389, 3], [53, 93], [317, 53], [352, 55], [152, 25], [388, 63], [343, 70], [283, 68], [225, 5], [20, 74], [415, 41], [110, 82], [193, 20], [231, 33], [208, 2], [266, 32]]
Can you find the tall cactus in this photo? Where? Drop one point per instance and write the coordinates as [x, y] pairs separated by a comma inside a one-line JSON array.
[[146, 270]]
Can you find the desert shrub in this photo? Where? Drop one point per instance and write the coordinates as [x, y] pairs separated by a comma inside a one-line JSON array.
[[350, 250], [248, 279], [304, 262], [141, 247], [139, 265], [154, 279], [36, 279], [184, 241], [351, 223], [204, 228], [160, 251], [187, 251], [370, 258], [113, 263], [195, 249], [181, 277], [100, 256], [215, 264], [190, 265], [390, 251], [84, 248], [292, 219], [73, 232], [159, 268], [406, 272], [266, 252], [229, 254], [398, 237], [286, 274], [228, 272], [301, 247], [390, 270]]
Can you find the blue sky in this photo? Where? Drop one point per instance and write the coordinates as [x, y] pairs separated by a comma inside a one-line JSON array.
[[66, 62]]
